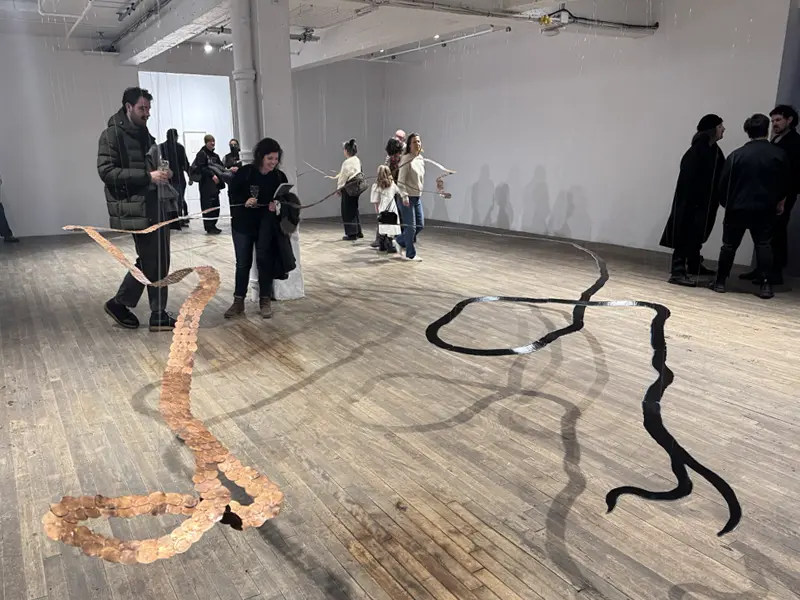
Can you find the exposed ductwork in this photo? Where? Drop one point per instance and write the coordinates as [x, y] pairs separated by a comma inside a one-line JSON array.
[[550, 22]]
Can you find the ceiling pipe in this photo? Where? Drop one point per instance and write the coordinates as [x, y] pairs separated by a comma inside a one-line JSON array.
[[43, 13], [512, 16], [81, 18], [389, 56]]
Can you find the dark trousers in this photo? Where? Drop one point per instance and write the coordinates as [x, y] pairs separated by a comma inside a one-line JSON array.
[[351, 218], [5, 230], [152, 251], [760, 225], [210, 218], [780, 236], [243, 245], [183, 208]]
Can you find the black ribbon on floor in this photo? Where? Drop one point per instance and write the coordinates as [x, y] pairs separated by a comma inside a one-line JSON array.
[[651, 405]]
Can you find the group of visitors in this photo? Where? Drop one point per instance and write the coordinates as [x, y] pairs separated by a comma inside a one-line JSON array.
[[757, 185], [144, 185], [395, 195]]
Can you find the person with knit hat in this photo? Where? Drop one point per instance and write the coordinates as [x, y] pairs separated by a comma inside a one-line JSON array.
[[694, 205]]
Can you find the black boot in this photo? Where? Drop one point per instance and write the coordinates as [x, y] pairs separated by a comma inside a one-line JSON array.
[[161, 321], [121, 314], [679, 275], [766, 291], [718, 285]]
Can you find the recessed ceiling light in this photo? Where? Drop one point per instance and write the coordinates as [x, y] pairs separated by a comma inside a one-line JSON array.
[[436, 37], [382, 50], [208, 48]]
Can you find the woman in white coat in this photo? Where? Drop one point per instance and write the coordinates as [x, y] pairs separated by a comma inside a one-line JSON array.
[[350, 168], [383, 195]]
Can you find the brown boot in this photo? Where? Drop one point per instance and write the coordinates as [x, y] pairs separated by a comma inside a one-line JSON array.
[[236, 309], [265, 305]]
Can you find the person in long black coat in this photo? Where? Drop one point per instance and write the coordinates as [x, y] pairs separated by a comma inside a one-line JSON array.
[[694, 206]]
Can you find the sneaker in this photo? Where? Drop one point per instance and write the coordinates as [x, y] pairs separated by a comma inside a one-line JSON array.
[[236, 309], [161, 321], [121, 314], [11, 239], [415, 258], [396, 246], [265, 306], [375, 244], [349, 238]]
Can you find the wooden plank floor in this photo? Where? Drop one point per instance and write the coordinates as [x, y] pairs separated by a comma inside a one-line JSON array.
[[409, 472]]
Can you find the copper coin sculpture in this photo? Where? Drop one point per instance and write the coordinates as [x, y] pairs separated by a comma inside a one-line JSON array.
[[63, 520]]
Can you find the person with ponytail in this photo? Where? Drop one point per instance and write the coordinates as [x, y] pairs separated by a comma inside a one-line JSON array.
[[351, 166]]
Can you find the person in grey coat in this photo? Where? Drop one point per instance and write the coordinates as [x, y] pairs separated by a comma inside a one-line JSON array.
[[132, 184]]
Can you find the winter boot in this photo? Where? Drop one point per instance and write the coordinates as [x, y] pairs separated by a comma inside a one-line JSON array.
[[236, 309]]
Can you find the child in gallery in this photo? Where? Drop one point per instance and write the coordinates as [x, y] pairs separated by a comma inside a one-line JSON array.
[[383, 195]]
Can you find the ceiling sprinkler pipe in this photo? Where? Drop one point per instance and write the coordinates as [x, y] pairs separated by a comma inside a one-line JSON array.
[[81, 18], [43, 13], [389, 56]]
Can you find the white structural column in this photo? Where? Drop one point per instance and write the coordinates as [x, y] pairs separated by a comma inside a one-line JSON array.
[[274, 92], [244, 79], [244, 76]]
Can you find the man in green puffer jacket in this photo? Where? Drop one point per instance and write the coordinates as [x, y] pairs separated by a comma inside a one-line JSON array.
[[131, 189]]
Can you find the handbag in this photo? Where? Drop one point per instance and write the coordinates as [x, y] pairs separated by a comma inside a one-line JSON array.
[[387, 217], [356, 185]]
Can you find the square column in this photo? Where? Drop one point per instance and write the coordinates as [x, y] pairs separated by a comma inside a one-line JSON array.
[[273, 65]]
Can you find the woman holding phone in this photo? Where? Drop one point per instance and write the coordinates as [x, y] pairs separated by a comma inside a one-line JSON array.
[[252, 194]]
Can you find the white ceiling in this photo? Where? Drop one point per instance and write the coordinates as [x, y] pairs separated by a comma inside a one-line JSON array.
[[105, 21]]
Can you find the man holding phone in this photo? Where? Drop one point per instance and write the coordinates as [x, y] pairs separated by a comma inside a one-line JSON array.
[[131, 190]]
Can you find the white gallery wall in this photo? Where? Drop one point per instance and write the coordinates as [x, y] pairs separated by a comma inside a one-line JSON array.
[[581, 136], [195, 105], [334, 103], [55, 104]]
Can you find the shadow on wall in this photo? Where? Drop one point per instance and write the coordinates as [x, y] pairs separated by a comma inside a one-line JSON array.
[[479, 194], [570, 216], [536, 203]]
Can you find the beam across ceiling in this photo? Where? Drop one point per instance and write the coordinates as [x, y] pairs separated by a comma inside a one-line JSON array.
[[384, 28], [185, 20]]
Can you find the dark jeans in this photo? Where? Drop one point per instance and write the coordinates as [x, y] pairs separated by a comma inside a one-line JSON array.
[[5, 230], [413, 221], [350, 215], [243, 245], [760, 225], [212, 216], [780, 236], [152, 251]]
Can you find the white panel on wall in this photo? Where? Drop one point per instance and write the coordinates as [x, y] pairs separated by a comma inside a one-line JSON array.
[[55, 104], [581, 136], [192, 103]]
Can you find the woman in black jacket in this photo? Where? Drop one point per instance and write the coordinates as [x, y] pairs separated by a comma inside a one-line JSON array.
[[254, 214], [694, 207]]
